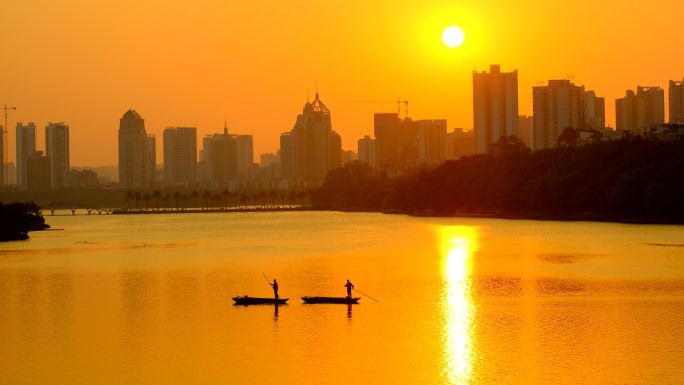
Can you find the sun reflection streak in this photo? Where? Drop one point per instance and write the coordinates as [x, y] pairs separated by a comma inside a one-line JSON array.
[[458, 244]]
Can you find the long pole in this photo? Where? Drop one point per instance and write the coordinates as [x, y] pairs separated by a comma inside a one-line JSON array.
[[266, 278], [362, 293]]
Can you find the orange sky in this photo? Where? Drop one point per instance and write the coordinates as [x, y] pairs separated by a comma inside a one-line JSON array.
[[197, 63]]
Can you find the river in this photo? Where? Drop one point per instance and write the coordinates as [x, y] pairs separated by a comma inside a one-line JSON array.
[[146, 299]]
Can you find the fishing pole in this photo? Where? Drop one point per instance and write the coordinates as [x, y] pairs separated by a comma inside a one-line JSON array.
[[362, 293], [266, 278]]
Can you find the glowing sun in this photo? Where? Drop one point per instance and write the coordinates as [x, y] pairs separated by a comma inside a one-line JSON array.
[[453, 37]]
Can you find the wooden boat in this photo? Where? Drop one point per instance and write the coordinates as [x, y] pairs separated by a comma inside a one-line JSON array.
[[247, 300], [347, 300]]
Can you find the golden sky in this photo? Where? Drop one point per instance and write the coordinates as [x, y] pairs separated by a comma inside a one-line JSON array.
[[198, 63]]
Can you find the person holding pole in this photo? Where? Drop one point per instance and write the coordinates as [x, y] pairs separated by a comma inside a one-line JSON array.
[[275, 288], [349, 287]]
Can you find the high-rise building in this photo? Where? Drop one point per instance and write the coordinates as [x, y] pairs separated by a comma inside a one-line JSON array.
[[221, 153], [641, 110], [267, 159], [594, 111], [561, 105], [180, 155], [432, 141], [10, 173], [3, 170], [245, 154], [228, 157], [396, 141], [348, 156], [57, 150], [287, 155], [677, 102], [134, 161], [366, 151], [495, 106], [151, 153], [526, 130], [461, 143], [26, 148], [38, 172], [311, 148]]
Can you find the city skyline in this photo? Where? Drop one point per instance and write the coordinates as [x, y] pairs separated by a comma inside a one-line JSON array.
[[224, 68]]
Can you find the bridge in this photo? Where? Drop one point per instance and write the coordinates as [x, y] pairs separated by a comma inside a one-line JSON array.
[[75, 208]]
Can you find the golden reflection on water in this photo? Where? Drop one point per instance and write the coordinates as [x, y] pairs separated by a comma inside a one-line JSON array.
[[458, 244]]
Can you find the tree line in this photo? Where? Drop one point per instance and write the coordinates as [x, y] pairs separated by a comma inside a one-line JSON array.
[[158, 200], [628, 179]]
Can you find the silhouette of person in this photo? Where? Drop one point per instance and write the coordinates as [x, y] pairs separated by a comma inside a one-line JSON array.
[[349, 287], [275, 288]]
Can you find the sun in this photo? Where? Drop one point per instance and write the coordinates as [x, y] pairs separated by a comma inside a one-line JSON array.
[[453, 37]]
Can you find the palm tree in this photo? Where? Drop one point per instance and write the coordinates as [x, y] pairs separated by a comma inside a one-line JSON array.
[[206, 196], [282, 196], [194, 195], [137, 197], [243, 199], [167, 200], [273, 194], [157, 197], [225, 194], [147, 198], [129, 197], [216, 198], [177, 196]]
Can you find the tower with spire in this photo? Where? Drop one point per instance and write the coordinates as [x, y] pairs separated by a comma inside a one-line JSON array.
[[311, 148]]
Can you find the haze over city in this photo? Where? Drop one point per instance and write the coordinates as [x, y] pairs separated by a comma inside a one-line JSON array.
[[253, 65], [342, 192]]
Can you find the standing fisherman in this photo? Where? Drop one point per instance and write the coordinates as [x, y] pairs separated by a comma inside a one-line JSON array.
[[349, 287], [275, 288]]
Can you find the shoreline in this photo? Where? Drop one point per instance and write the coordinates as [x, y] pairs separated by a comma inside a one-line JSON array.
[[210, 210], [587, 217]]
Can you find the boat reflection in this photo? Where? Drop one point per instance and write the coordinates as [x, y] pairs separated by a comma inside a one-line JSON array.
[[458, 244], [349, 310]]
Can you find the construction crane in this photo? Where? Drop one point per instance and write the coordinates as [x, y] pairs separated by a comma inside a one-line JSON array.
[[398, 101], [4, 141]]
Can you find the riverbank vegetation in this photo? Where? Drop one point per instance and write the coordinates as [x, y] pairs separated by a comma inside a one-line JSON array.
[[162, 199], [631, 180], [17, 219]]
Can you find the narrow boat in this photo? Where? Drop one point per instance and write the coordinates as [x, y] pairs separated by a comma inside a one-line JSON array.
[[246, 300], [347, 300]]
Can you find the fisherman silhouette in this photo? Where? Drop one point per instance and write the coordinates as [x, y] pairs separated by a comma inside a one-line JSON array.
[[275, 288], [349, 287]]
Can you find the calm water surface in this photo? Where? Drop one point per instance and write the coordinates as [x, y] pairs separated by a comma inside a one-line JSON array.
[[147, 300]]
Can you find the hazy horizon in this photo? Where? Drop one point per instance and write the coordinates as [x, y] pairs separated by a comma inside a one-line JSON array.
[[251, 65]]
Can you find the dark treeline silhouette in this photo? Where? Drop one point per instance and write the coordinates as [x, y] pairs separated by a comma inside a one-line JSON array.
[[159, 200], [17, 219], [625, 180]]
